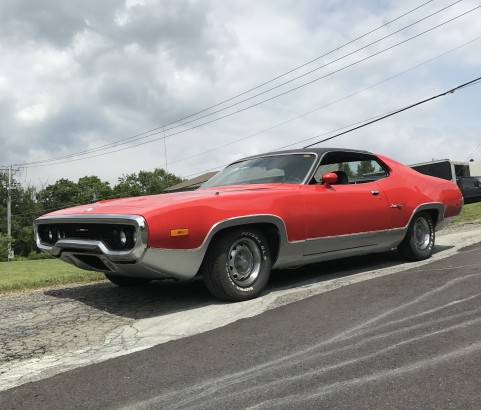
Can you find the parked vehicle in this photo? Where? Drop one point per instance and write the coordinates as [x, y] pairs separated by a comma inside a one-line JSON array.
[[443, 168], [470, 187], [275, 210]]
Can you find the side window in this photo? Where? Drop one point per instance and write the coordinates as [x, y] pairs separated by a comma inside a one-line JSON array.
[[468, 183], [368, 171], [352, 167]]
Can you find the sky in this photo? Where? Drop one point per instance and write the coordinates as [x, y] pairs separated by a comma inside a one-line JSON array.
[[110, 88]]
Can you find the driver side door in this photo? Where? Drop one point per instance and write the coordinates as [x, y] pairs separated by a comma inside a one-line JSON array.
[[351, 215]]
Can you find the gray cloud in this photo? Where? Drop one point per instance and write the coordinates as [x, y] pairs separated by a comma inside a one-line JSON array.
[[53, 21], [74, 76]]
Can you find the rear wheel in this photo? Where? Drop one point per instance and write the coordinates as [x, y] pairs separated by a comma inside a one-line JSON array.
[[237, 264], [126, 281], [419, 241]]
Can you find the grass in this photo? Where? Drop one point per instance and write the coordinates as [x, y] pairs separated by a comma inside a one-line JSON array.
[[27, 275], [470, 213]]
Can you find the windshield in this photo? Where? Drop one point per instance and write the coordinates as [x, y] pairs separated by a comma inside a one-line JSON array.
[[291, 169]]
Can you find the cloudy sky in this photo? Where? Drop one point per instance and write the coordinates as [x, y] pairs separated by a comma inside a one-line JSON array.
[[109, 87]]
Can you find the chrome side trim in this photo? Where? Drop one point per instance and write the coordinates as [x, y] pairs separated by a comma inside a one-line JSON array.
[[290, 253], [430, 206], [333, 247], [185, 263]]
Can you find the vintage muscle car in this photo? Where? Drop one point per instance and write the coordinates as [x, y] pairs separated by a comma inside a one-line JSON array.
[[276, 210]]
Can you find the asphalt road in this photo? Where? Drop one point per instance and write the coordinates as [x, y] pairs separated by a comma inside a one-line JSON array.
[[409, 339]]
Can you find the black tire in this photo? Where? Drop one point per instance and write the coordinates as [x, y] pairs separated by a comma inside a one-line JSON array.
[[237, 264], [419, 241], [126, 281]]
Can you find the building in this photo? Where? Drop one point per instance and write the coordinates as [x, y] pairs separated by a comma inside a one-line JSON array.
[[475, 167], [191, 184]]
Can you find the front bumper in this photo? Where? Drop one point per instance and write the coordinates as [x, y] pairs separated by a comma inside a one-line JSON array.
[[138, 261]]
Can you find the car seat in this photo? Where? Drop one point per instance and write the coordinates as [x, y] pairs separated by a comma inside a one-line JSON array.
[[341, 178]]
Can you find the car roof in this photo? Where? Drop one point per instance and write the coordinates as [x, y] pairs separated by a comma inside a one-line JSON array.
[[319, 151]]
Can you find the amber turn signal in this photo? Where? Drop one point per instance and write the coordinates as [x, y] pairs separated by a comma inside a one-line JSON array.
[[179, 232]]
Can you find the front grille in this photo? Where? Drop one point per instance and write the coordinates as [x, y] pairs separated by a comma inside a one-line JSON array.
[[115, 237]]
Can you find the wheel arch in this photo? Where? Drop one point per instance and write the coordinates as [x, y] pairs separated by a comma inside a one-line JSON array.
[[271, 226], [434, 209]]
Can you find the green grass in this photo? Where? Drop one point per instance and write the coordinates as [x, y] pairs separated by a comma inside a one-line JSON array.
[[27, 275], [470, 213]]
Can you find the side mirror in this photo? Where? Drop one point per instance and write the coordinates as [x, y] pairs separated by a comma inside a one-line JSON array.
[[329, 178]]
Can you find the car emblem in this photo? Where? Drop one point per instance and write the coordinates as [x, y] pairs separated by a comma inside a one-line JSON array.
[[82, 230]]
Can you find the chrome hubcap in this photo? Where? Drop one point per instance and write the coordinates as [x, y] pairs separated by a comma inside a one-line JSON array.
[[422, 234], [244, 262]]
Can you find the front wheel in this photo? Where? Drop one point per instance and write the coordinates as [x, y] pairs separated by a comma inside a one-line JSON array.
[[126, 281], [237, 264], [419, 241]]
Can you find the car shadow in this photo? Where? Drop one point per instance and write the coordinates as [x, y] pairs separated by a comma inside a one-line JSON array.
[[170, 296], [324, 271], [154, 299]]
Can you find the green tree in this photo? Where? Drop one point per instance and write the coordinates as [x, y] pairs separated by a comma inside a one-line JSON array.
[[344, 166], [92, 189], [60, 195], [28, 203], [145, 183], [25, 209], [364, 167]]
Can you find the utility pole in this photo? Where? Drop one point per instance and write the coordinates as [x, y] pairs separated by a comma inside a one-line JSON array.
[[9, 214], [10, 187]]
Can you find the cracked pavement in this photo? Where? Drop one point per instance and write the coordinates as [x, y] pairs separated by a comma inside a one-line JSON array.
[[46, 332], [48, 326]]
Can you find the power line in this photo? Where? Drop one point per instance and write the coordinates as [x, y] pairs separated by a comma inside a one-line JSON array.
[[313, 70], [325, 106], [363, 122], [47, 162], [133, 138], [303, 65], [158, 130], [451, 91]]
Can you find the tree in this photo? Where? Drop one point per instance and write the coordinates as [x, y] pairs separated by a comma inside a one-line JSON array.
[[344, 166], [365, 167], [29, 203], [92, 189], [145, 183], [60, 195]]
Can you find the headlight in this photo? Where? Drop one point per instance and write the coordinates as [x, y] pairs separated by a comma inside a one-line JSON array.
[[122, 239], [52, 235]]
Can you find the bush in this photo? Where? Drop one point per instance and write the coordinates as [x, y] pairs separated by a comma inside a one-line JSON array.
[[35, 256], [4, 247], [19, 258]]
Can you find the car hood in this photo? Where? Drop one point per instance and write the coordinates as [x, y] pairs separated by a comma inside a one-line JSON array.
[[143, 204]]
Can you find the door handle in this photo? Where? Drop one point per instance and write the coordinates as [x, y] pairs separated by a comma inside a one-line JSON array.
[[375, 192]]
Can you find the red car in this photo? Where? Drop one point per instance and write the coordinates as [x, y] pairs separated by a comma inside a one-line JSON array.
[[276, 210]]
